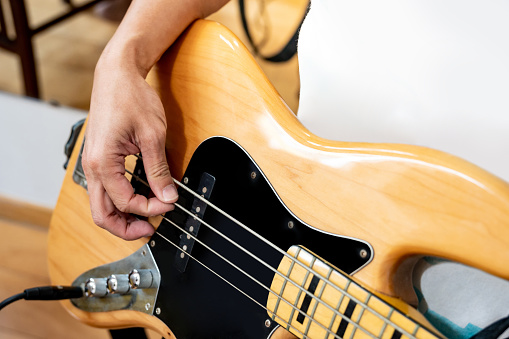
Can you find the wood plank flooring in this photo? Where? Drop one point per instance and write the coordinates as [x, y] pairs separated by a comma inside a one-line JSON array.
[[23, 265]]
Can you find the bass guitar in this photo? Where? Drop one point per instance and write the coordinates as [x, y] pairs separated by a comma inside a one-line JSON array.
[[277, 232]]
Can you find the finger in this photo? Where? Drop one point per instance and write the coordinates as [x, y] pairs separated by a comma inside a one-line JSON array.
[[157, 170], [107, 216], [121, 193]]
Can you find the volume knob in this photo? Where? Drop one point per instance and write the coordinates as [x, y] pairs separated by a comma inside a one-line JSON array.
[[140, 279], [96, 287], [118, 284]]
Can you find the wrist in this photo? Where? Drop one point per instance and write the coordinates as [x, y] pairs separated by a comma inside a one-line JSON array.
[[126, 55]]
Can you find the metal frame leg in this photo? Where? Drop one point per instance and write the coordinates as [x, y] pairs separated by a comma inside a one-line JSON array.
[[24, 47]]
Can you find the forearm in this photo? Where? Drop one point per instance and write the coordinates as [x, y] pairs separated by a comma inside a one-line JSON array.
[[148, 29], [127, 116]]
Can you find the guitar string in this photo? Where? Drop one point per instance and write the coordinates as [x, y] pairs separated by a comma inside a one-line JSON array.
[[225, 280], [361, 303], [284, 277], [250, 277], [346, 293], [336, 313], [358, 301]]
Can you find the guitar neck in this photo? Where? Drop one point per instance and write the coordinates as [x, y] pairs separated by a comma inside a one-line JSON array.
[[313, 299]]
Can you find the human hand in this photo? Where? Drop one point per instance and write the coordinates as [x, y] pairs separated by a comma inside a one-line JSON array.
[[126, 117]]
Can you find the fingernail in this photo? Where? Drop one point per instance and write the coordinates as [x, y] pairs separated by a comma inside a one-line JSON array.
[[170, 193]]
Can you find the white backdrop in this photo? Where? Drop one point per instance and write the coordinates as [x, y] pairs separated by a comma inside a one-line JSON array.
[[430, 73]]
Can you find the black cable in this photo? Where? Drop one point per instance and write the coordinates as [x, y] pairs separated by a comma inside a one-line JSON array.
[[288, 51], [45, 293], [12, 299], [495, 330]]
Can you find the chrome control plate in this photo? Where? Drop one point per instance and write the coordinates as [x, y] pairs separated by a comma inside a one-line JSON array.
[[137, 299]]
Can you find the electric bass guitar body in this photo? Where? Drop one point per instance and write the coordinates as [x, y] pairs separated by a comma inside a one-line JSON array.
[[281, 197]]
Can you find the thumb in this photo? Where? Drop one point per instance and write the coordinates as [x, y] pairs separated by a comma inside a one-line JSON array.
[[158, 173]]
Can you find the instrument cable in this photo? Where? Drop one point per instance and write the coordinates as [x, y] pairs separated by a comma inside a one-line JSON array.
[[45, 293]]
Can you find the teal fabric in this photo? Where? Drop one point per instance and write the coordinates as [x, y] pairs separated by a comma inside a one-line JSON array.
[[450, 329]]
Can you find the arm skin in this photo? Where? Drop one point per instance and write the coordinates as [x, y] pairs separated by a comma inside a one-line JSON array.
[[126, 116]]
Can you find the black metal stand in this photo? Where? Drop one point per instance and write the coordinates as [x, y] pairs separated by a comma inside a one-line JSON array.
[[21, 44]]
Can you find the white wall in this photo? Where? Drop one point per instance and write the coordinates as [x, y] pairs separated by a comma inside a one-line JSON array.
[[32, 138]]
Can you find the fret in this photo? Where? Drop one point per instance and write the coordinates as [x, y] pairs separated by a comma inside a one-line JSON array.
[[306, 298], [315, 307], [390, 332], [308, 323], [384, 322], [306, 302], [297, 302], [403, 322], [357, 292], [363, 308], [347, 312], [314, 330], [286, 265], [336, 308], [416, 329], [321, 302], [357, 333]]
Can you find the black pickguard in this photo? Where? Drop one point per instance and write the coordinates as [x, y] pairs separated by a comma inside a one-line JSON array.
[[198, 304]]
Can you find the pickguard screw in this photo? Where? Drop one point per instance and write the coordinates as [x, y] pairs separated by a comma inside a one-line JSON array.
[[152, 243], [253, 175], [147, 306], [267, 323], [158, 311], [290, 224], [144, 253], [363, 253], [186, 180]]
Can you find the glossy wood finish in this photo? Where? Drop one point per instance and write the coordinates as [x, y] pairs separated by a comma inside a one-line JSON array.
[[406, 201], [76, 245]]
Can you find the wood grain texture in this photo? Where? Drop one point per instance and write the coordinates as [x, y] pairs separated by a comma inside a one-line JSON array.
[[75, 248], [406, 201]]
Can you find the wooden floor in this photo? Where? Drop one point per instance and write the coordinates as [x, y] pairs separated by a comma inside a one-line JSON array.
[[66, 54], [23, 265], [66, 57]]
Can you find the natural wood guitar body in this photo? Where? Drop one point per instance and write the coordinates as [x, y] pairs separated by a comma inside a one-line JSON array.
[[406, 201]]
